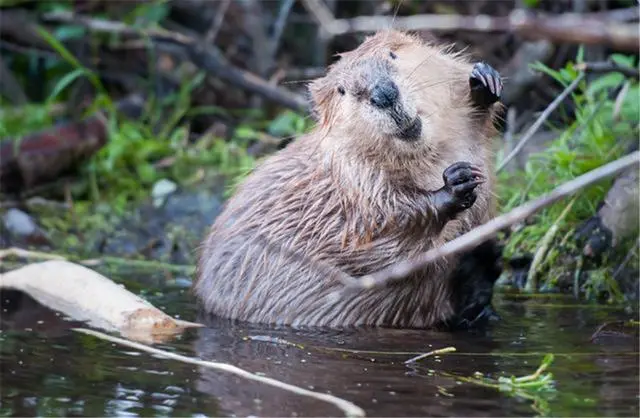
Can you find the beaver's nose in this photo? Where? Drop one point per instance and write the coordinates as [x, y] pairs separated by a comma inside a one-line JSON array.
[[384, 94]]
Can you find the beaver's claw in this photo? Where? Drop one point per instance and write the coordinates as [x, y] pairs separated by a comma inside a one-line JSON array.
[[486, 84], [458, 193]]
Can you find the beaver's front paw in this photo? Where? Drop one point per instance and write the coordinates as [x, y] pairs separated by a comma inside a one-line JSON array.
[[459, 190], [486, 85]]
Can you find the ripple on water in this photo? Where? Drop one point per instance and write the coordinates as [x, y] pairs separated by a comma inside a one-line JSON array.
[[52, 371]]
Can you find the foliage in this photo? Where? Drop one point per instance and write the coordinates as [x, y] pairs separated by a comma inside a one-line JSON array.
[[127, 167], [601, 132]]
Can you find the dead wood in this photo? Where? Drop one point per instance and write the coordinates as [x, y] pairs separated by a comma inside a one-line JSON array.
[[608, 67], [42, 156], [203, 55], [601, 28], [85, 295], [538, 123], [348, 408]]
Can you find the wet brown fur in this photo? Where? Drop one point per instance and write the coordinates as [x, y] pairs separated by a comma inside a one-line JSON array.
[[348, 198]]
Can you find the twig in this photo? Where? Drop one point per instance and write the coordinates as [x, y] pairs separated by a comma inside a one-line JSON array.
[[532, 283], [204, 56], [279, 25], [217, 21], [601, 28], [510, 129], [480, 234], [431, 353], [142, 264], [19, 252], [602, 327], [347, 407], [620, 97], [156, 265], [608, 67], [626, 260], [538, 123], [323, 16]]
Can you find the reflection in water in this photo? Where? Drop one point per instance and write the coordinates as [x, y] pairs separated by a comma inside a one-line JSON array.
[[48, 370]]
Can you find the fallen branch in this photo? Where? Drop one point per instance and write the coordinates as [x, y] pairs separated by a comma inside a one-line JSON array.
[[538, 123], [601, 28], [350, 409], [203, 55], [486, 231], [85, 295], [608, 67], [93, 262], [42, 156]]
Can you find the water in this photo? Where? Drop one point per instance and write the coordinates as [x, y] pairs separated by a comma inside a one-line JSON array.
[[46, 369]]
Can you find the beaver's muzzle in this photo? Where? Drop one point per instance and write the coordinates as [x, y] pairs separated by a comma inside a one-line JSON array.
[[409, 128]]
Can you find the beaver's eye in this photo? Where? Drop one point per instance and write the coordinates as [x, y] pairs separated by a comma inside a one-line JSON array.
[[341, 90], [392, 55]]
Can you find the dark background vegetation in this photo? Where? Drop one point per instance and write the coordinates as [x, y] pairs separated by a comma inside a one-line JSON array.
[[123, 123]]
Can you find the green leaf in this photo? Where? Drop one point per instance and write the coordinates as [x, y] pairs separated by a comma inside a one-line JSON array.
[[69, 32], [538, 66], [245, 132], [604, 82], [68, 56], [580, 54], [146, 172], [625, 60], [64, 82]]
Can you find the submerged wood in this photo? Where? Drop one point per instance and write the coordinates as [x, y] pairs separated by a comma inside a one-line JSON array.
[[85, 295], [349, 408]]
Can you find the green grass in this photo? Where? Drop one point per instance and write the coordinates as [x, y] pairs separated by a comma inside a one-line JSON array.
[[599, 134], [126, 168]]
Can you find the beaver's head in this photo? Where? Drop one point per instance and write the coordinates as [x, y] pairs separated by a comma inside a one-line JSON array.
[[394, 91]]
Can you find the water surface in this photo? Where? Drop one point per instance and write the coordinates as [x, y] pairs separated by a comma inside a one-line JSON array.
[[46, 369]]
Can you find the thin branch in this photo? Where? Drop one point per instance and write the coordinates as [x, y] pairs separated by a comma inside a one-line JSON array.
[[350, 409], [279, 25], [204, 56], [538, 123], [608, 67], [476, 236], [93, 262], [601, 28], [431, 353], [217, 22], [531, 284], [322, 15]]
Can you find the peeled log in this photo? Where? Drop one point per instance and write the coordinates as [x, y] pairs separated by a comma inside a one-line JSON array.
[[85, 295]]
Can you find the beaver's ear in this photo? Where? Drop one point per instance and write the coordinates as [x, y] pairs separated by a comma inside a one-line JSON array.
[[319, 95]]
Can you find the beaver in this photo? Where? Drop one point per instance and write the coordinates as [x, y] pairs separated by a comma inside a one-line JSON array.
[[398, 162]]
